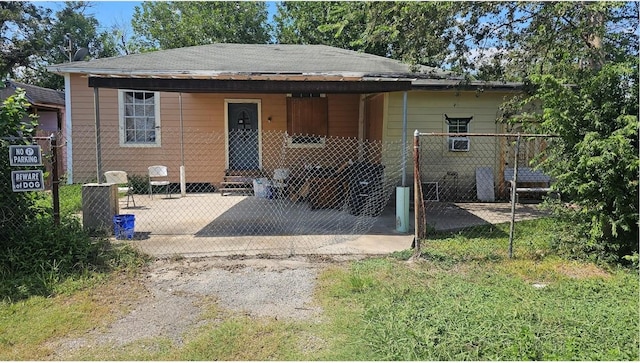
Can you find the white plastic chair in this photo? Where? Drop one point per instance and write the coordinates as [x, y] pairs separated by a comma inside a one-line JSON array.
[[158, 177], [120, 178]]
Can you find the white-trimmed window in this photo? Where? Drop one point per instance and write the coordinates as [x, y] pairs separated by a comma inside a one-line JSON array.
[[458, 125], [139, 118]]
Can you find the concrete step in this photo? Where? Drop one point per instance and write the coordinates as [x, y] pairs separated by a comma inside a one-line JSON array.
[[236, 183], [239, 182], [237, 179], [236, 191]]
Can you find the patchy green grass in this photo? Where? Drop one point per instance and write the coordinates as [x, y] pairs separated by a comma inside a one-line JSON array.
[[70, 198], [487, 311], [26, 326], [226, 336], [466, 300]]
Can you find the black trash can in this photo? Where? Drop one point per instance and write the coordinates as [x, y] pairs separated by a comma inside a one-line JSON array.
[[366, 192]]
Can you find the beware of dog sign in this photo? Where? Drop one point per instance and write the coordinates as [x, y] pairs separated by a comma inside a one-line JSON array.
[[27, 180]]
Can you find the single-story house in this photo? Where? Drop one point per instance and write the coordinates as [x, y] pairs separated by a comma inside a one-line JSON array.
[[140, 101], [49, 106]]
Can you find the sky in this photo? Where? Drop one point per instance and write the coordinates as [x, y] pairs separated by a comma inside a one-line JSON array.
[[110, 13]]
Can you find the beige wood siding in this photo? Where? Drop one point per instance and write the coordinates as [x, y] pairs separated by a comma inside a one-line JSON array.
[[203, 117], [374, 117], [343, 115], [425, 113], [426, 110]]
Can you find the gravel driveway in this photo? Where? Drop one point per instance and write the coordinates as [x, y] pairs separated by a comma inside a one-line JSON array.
[[177, 292]]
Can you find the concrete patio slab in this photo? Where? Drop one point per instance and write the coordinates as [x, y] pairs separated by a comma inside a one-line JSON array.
[[209, 224]]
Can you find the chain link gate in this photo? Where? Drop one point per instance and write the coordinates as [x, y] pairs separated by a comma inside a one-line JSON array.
[[290, 195], [472, 183]]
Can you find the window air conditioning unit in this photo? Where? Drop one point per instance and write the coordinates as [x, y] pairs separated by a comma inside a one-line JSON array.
[[458, 144]]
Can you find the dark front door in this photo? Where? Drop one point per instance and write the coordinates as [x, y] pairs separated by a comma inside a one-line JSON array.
[[243, 136]]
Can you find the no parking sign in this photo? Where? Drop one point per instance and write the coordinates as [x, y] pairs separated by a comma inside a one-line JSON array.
[[25, 155]]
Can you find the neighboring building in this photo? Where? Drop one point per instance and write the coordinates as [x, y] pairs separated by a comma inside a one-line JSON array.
[[139, 102], [47, 103], [49, 106]]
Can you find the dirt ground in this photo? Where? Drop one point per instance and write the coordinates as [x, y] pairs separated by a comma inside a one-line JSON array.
[[174, 293]]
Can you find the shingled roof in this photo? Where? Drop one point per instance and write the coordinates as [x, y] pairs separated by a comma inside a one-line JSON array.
[[214, 60], [35, 95]]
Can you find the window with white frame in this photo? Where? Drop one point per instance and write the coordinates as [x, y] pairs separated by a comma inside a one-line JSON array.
[[458, 125], [139, 118]]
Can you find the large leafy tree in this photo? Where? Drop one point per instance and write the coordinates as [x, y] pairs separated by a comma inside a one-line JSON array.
[[416, 32], [586, 83], [23, 27], [512, 40], [595, 160], [338, 24], [72, 28], [174, 24]]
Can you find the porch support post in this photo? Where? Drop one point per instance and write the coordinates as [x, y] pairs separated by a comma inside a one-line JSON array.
[[96, 104], [404, 139], [183, 182], [361, 126], [514, 195], [67, 131], [403, 192]]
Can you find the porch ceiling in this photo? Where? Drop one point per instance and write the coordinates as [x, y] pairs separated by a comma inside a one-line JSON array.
[[250, 86]]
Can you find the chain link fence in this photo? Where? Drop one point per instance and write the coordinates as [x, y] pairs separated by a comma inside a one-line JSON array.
[[467, 181], [27, 183], [286, 194], [271, 192]]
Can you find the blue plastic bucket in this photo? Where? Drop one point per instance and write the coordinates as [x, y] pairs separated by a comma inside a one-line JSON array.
[[124, 226]]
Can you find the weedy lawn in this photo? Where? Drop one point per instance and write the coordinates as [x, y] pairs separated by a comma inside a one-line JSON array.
[[465, 300]]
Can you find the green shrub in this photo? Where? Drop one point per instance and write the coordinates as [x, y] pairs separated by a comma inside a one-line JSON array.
[[594, 161], [67, 246], [46, 255], [16, 127], [36, 255]]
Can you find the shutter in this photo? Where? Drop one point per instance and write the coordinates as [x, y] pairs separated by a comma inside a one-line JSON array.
[[307, 116]]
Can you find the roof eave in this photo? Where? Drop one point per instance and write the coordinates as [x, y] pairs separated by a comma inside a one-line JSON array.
[[202, 74], [456, 84], [46, 105]]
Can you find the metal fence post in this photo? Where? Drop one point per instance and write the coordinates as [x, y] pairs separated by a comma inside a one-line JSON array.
[[96, 101], [417, 198], [514, 181], [55, 180]]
